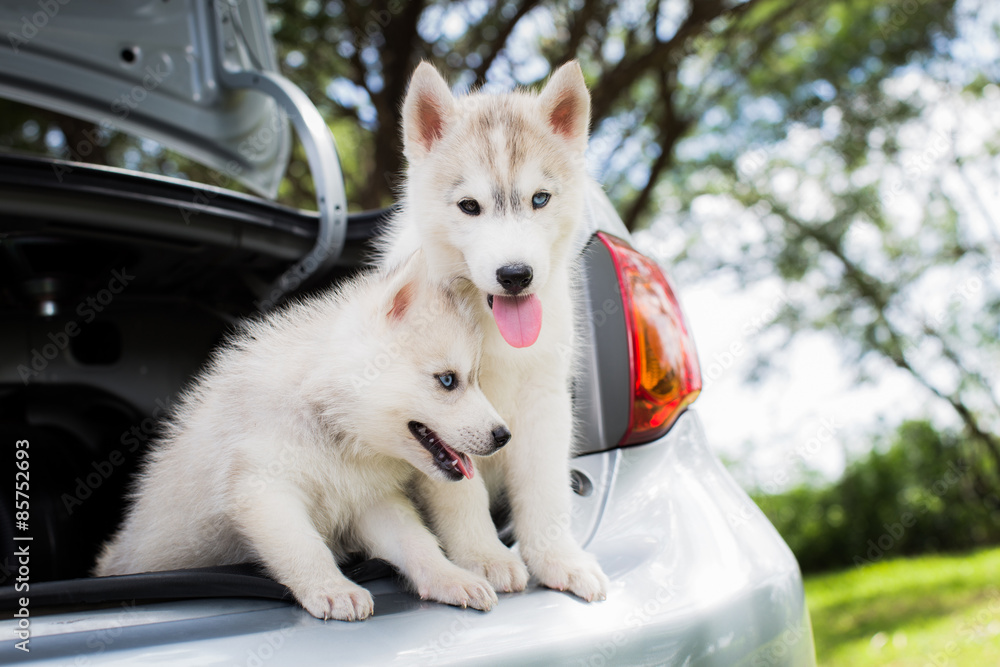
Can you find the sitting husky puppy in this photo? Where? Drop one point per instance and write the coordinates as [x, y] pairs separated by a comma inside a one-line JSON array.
[[296, 446], [495, 196]]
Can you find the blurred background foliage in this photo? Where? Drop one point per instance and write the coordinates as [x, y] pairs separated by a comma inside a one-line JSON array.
[[920, 490], [847, 148]]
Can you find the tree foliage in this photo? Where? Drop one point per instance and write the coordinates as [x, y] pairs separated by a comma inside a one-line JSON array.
[[871, 206], [922, 493]]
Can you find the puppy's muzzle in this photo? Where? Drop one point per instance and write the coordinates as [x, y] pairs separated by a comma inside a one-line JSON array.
[[489, 446]]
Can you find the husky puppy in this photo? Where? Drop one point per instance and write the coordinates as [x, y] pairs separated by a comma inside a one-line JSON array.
[[494, 196], [298, 443]]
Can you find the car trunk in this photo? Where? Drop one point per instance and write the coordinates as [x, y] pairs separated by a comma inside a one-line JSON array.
[[116, 287]]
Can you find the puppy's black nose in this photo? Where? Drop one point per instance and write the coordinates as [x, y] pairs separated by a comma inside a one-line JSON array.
[[501, 436], [514, 277]]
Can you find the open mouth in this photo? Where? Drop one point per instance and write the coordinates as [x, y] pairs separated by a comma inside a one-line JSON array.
[[453, 464], [519, 318]]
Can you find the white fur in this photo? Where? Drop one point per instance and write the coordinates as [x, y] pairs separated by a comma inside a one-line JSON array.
[[500, 150], [293, 448]]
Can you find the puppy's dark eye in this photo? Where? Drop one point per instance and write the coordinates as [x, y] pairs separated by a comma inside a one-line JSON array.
[[469, 206], [448, 381], [540, 199]]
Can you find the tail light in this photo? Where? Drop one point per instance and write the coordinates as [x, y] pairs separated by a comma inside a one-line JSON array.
[[665, 376]]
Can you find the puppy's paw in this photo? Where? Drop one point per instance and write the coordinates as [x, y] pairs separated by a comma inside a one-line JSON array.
[[501, 567], [579, 573], [460, 588], [341, 602]]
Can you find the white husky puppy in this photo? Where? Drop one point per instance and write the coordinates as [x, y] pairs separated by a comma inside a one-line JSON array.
[[297, 445], [495, 195]]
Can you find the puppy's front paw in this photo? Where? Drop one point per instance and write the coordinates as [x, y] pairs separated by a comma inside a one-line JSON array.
[[341, 602], [460, 588], [579, 573], [501, 567]]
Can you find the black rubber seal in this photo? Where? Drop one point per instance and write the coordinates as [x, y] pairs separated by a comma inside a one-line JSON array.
[[246, 580]]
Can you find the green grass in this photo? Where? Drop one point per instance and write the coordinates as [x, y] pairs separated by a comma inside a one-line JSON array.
[[929, 611]]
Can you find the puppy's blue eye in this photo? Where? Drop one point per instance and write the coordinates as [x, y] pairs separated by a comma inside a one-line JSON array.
[[448, 381], [469, 207], [540, 199]]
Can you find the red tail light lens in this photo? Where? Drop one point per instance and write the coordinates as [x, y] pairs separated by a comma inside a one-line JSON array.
[[665, 374]]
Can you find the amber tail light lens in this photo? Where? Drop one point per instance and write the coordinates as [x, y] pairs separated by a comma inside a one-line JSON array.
[[665, 375]]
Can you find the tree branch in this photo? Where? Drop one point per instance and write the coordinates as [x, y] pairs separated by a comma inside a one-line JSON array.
[[500, 42], [629, 69], [578, 24], [865, 285], [400, 47], [671, 129]]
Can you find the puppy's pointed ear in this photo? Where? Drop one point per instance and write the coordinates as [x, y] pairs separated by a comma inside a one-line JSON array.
[[565, 103], [402, 299], [427, 108], [404, 286]]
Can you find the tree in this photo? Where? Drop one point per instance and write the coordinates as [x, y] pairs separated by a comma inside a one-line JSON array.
[[916, 492], [871, 207]]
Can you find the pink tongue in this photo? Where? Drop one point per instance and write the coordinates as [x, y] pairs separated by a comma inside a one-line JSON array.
[[519, 318], [465, 466]]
